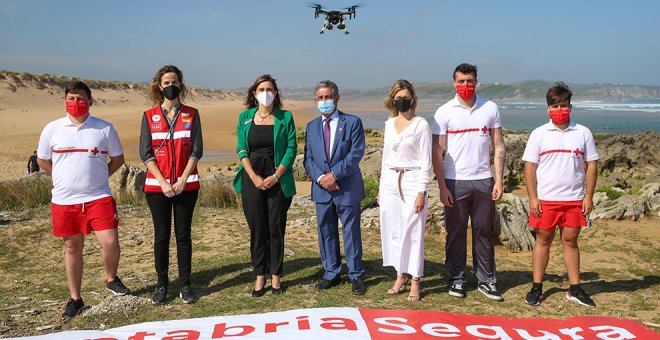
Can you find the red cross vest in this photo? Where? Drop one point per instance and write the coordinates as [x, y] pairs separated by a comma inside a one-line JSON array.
[[171, 151]]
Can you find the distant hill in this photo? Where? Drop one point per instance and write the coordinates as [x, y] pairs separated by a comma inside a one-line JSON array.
[[529, 90], [54, 85]]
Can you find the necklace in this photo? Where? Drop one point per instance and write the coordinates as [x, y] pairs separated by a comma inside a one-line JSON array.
[[262, 118]]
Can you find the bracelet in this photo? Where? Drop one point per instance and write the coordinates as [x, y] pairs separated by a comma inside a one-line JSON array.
[[277, 178]]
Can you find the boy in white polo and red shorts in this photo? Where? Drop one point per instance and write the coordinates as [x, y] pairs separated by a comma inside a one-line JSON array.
[[561, 168], [80, 152]]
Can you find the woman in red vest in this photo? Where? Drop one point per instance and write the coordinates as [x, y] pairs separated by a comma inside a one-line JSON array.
[[170, 147]]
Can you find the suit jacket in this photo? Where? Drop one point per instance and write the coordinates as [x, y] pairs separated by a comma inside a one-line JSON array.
[[347, 151], [285, 146]]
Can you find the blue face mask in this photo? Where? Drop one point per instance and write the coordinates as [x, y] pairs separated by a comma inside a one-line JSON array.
[[326, 106]]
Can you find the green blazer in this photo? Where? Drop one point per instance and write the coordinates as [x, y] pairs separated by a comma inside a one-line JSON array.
[[285, 146]]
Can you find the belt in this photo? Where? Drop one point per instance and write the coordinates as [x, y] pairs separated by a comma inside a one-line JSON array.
[[401, 171]]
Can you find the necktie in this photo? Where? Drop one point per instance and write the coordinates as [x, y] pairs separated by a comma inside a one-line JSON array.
[[326, 137]]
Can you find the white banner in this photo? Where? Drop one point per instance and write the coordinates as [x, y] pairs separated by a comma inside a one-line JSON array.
[[358, 324]]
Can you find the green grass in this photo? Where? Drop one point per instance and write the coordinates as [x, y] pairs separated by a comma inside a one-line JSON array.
[[611, 193], [25, 193], [370, 190]]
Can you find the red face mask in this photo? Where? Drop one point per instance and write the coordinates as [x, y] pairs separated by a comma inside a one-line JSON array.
[[560, 116], [77, 108], [465, 91]]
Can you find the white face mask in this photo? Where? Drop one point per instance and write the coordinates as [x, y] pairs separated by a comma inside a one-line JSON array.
[[265, 98]]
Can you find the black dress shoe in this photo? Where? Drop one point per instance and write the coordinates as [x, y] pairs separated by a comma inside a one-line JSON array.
[[359, 288], [277, 291], [326, 284], [258, 293]]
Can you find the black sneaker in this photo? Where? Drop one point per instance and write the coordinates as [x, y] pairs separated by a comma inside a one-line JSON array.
[[457, 290], [72, 309], [187, 295], [117, 287], [490, 291], [581, 297], [534, 297], [160, 297]]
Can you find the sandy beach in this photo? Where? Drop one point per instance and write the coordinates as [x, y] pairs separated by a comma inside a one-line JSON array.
[[25, 111]]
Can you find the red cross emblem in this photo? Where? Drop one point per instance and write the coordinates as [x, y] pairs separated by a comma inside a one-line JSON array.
[[94, 151], [484, 129], [576, 152]]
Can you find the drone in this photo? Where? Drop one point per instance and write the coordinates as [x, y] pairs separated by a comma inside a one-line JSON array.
[[334, 18]]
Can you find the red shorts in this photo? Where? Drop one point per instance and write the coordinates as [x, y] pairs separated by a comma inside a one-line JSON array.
[[556, 213], [74, 219]]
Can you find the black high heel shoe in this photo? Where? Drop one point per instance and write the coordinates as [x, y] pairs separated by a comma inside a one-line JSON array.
[[258, 293], [277, 291]]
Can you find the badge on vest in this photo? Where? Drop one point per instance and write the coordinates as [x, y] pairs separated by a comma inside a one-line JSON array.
[[186, 125], [155, 118], [184, 114], [156, 126]]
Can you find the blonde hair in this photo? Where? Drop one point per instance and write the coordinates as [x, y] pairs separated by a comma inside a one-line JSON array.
[[399, 85]]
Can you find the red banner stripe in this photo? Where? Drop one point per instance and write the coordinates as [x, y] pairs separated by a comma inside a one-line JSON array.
[[559, 150], [463, 131], [79, 150], [70, 150]]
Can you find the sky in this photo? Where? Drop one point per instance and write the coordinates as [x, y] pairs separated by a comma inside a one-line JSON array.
[[227, 44]]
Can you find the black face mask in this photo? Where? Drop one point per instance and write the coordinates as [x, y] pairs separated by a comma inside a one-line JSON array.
[[402, 104], [171, 92]]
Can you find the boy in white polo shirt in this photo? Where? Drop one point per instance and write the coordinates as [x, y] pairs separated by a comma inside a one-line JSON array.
[[462, 130], [561, 168], [80, 152]]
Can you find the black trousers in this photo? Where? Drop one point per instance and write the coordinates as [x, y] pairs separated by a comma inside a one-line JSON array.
[[266, 213], [161, 211]]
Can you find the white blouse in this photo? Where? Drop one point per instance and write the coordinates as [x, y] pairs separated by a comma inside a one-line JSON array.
[[410, 149]]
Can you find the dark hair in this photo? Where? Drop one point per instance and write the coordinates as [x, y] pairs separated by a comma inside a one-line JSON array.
[[329, 84], [251, 101], [465, 69], [399, 85], [155, 94], [558, 93], [78, 86]]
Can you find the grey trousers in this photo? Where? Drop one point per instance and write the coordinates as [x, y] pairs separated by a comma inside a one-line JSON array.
[[472, 198]]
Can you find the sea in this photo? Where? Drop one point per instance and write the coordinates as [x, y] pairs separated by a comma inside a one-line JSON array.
[[624, 117]]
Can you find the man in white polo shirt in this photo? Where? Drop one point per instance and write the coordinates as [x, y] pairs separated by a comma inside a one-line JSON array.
[[80, 152], [561, 169], [462, 130]]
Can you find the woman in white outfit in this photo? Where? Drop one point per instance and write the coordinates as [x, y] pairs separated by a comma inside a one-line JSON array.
[[405, 175]]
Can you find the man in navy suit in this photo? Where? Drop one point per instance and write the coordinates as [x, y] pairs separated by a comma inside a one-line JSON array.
[[334, 146]]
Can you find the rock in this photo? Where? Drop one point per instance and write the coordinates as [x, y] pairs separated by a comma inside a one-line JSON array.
[[299, 172], [128, 180], [214, 168], [370, 218], [651, 192], [625, 207], [113, 305], [510, 224], [600, 198]]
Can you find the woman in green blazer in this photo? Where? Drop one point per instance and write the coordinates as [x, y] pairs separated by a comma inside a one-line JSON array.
[[266, 148]]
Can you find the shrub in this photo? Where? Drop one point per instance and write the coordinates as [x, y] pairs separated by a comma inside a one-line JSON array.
[[611, 193], [25, 193], [371, 192], [217, 195]]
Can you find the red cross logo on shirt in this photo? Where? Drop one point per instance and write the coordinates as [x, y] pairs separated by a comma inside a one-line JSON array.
[[576, 152], [484, 129], [94, 151]]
